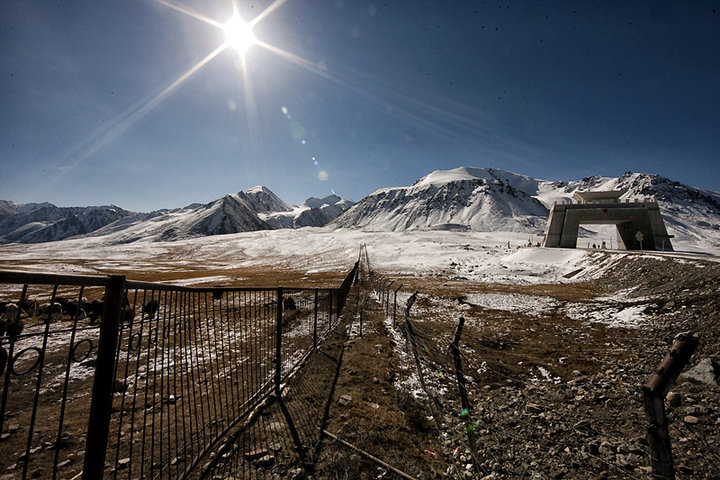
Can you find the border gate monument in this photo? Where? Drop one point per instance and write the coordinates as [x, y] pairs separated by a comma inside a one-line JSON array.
[[639, 224]]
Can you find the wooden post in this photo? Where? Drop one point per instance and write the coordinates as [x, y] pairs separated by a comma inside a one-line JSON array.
[[654, 394], [455, 347]]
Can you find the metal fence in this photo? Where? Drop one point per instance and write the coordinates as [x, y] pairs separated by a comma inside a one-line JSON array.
[[102, 376]]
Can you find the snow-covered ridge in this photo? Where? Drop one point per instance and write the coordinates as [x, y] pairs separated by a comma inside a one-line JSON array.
[[477, 199], [486, 200], [463, 199], [236, 212], [314, 212]]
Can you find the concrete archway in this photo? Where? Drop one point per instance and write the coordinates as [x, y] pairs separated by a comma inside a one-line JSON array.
[[639, 224]]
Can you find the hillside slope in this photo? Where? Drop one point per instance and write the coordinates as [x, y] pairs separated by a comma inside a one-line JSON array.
[[255, 209], [478, 199], [486, 200]]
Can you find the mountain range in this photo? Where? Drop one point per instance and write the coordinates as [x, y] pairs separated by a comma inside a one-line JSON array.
[[254, 209], [465, 198]]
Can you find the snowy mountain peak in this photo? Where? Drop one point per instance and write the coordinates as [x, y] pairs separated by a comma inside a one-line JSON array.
[[233, 213], [314, 212], [313, 202], [486, 199], [481, 199], [465, 198], [262, 200]]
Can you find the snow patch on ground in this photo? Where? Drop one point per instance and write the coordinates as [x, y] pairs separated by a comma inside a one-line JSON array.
[[516, 302], [217, 279], [497, 257], [612, 316]]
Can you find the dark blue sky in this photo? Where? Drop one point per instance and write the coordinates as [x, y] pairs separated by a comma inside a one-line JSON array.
[[352, 96]]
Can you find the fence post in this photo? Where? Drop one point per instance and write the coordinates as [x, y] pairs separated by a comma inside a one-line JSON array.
[[278, 340], [330, 292], [395, 306], [455, 347], [654, 394], [101, 403], [315, 321], [387, 295], [469, 429]]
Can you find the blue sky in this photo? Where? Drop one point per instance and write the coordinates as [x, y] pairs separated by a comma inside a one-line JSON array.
[[107, 102]]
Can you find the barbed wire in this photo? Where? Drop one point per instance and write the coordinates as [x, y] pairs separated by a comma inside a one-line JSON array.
[[421, 335]]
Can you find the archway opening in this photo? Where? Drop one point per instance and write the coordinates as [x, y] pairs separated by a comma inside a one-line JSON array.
[[597, 236]]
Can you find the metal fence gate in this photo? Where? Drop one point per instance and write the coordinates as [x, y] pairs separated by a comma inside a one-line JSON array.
[[101, 375]]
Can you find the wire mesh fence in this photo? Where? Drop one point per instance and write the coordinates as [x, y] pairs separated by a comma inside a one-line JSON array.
[[103, 376], [511, 424]]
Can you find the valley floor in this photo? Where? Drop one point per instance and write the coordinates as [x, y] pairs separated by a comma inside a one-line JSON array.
[[556, 345]]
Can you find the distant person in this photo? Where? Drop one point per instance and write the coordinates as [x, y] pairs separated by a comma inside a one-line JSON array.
[[603, 244]]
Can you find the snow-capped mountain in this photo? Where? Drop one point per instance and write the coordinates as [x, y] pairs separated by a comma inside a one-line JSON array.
[[480, 199], [238, 212], [262, 200], [485, 199], [255, 209], [465, 198], [43, 222], [314, 212]]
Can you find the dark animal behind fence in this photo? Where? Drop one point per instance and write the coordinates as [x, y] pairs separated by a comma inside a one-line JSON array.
[[150, 309]]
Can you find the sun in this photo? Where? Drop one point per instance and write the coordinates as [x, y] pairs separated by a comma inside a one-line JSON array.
[[238, 34]]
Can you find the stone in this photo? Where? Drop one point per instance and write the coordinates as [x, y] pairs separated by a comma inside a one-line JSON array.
[[691, 420], [266, 461], [344, 400], [256, 454], [706, 372], [673, 399]]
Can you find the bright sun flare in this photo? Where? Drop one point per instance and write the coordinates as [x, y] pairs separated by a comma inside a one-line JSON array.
[[238, 34]]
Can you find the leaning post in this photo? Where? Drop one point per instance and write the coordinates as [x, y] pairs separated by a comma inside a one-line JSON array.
[[654, 394], [101, 402], [464, 402]]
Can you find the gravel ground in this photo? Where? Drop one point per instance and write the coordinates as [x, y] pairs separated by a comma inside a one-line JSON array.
[[553, 376]]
